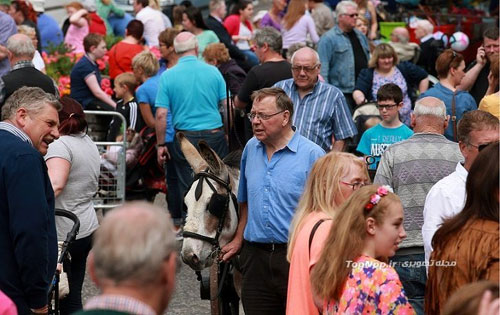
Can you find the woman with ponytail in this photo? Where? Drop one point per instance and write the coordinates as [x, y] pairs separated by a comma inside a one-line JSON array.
[[73, 164]]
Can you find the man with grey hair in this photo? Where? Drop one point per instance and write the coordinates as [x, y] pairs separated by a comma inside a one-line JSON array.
[[193, 91], [321, 112], [428, 46], [412, 167], [344, 51], [28, 240], [400, 41], [133, 261], [214, 20], [23, 72], [273, 68]]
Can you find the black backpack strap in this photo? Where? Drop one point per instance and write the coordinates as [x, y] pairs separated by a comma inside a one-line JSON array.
[[313, 231]]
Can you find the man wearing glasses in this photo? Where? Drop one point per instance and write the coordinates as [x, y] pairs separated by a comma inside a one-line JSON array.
[[273, 172], [446, 198], [412, 167], [321, 113], [344, 51]]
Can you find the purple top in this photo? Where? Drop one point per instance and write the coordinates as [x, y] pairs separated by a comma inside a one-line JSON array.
[[268, 21], [298, 32]]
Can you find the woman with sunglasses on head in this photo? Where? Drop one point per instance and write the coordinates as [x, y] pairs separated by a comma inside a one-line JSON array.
[[333, 178], [384, 68], [450, 68], [466, 247]]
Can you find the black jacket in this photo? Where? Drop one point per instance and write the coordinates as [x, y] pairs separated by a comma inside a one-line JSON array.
[[224, 37]]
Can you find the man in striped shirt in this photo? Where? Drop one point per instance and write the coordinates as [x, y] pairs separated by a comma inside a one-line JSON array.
[[321, 113]]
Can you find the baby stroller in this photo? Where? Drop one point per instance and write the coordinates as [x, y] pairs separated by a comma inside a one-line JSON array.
[[70, 237], [144, 177]]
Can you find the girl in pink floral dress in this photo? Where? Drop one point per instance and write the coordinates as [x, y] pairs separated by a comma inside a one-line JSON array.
[[352, 276]]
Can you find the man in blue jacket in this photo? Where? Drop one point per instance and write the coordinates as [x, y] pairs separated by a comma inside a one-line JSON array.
[[28, 241]]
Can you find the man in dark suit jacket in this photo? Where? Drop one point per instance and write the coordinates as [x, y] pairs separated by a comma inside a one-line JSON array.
[[214, 22], [429, 47]]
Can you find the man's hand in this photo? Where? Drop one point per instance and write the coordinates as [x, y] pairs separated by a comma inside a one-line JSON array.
[[162, 155], [481, 56], [230, 249], [41, 310]]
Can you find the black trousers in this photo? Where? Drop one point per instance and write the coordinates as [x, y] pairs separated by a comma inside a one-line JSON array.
[[79, 251], [265, 279]]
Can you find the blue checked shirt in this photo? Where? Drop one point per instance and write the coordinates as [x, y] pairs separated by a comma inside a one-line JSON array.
[[320, 113]]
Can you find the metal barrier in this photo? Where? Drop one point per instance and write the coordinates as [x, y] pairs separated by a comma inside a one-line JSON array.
[[111, 191]]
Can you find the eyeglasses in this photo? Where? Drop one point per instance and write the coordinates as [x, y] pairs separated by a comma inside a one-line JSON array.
[[481, 146], [386, 106], [354, 15], [354, 186], [306, 69], [259, 116]]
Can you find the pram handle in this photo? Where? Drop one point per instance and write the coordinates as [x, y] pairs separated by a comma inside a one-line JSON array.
[[71, 236], [76, 223]]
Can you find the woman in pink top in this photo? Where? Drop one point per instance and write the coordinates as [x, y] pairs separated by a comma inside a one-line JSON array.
[[78, 28], [296, 25], [333, 178]]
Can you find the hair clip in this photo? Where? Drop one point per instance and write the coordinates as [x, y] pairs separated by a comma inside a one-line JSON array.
[[375, 198]]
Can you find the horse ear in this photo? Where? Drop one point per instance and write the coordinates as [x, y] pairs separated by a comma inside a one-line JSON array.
[[209, 155], [192, 155]]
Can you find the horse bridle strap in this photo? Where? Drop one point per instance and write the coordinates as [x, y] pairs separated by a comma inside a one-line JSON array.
[[201, 176]]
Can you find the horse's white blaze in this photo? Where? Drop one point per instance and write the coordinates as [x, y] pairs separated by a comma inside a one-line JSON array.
[[198, 215]]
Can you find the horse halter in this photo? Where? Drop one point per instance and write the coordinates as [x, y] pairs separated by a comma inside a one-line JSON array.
[[218, 205]]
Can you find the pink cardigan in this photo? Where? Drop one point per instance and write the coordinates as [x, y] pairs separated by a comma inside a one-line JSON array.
[[232, 24]]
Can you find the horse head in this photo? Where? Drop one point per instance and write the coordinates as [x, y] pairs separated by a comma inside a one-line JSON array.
[[212, 216]]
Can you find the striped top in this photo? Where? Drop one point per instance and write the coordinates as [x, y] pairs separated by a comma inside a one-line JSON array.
[[120, 303], [321, 113], [15, 131]]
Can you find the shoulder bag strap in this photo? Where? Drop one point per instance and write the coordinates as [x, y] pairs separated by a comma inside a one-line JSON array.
[[454, 116], [313, 231]]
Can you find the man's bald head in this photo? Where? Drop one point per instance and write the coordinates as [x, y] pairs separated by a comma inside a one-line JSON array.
[[185, 43], [306, 52], [400, 34]]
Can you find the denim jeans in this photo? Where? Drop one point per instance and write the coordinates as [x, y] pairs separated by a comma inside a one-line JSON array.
[[216, 141], [412, 273]]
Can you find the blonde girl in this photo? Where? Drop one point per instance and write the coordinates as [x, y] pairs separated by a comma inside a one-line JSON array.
[[333, 178], [353, 275]]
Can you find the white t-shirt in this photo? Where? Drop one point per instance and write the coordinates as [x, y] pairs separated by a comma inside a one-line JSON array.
[[153, 24], [246, 32], [82, 183]]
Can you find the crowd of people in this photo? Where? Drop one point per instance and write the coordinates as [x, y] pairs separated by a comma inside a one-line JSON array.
[[406, 222]]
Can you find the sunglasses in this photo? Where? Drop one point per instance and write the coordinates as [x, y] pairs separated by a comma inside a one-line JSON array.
[[354, 15], [481, 146]]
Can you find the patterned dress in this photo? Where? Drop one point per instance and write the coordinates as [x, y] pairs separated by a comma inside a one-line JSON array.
[[398, 79], [372, 287]]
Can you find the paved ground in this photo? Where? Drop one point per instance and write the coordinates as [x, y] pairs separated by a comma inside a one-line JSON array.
[[186, 299]]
